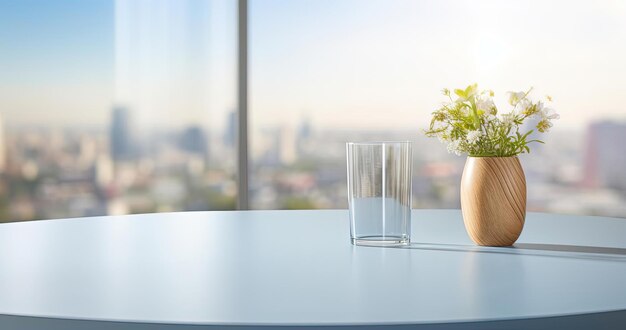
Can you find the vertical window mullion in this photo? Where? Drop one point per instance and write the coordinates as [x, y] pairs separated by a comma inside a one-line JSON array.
[[242, 105]]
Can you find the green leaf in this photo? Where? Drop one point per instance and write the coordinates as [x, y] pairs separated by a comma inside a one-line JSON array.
[[527, 134], [471, 89]]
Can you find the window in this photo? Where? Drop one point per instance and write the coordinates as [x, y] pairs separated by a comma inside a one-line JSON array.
[[326, 72], [113, 107]]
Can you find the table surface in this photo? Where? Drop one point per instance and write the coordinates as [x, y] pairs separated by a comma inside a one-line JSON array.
[[299, 268]]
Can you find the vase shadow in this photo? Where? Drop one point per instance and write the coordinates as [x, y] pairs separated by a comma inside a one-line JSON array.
[[532, 249], [571, 248]]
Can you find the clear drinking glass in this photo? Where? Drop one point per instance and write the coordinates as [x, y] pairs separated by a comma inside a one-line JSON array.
[[379, 192]]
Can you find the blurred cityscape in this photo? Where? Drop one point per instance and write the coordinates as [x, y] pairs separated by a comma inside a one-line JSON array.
[[55, 173], [118, 107]]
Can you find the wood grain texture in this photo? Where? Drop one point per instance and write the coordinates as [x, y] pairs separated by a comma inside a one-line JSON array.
[[493, 200]]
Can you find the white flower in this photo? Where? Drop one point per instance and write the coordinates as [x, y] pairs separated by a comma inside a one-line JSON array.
[[548, 114], [522, 106], [486, 105], [508, 119], [537, 110], [544, 125], [473, 136], [539, 106], [514, 97], [453, 147]]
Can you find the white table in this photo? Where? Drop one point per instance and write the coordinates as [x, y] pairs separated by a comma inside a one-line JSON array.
[[250, 269]]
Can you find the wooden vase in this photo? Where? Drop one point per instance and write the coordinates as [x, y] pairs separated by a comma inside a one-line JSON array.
[[493, 200]]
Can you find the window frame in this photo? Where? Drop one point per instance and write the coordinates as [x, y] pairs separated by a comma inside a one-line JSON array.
[[242, 105]]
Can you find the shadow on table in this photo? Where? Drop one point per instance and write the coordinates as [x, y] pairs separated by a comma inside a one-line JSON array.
[[533, 249], [570, 248]]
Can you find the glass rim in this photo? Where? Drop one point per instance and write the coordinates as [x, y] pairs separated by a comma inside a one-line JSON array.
[[376, 143]]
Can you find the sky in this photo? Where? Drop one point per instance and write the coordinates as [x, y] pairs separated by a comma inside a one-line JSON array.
[[56, 61], [382, 63], [368, 64]]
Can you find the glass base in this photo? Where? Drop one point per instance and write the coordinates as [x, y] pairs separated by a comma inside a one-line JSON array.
[[380, 241]]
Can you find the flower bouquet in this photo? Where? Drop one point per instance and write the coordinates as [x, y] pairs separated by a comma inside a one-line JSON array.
[[493, 186]]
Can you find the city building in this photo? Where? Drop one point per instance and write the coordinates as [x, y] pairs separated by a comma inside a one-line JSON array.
[[121, 136], [605, 155], [3, 149], [230, 133], [194, 140]]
